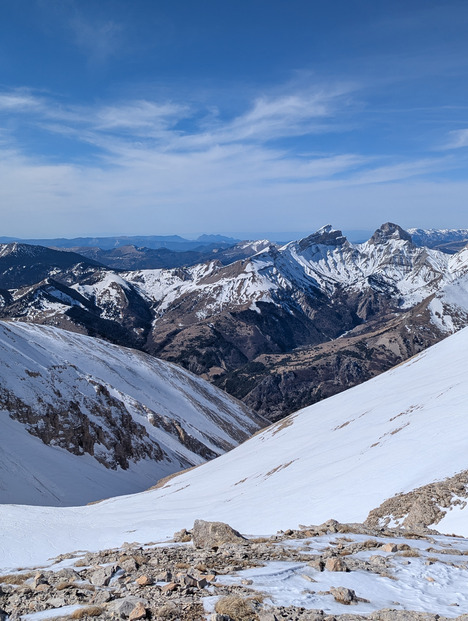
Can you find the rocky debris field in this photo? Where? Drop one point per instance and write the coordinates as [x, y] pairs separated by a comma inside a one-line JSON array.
[[342, 572]]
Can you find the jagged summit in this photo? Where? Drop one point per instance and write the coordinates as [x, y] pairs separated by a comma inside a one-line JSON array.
[[327, 236], [388, 231]]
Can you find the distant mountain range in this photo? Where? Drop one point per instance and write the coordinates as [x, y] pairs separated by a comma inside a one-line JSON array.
[[281, 328], [172, 242], [133, 258]]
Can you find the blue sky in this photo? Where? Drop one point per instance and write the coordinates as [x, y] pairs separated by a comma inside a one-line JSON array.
[[183, 116]]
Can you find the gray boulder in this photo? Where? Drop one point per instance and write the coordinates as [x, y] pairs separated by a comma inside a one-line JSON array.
[[212, 535], [124, 606]]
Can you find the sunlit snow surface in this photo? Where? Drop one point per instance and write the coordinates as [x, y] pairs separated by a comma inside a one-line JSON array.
[[412, 583], [50, 368], [339, 458]]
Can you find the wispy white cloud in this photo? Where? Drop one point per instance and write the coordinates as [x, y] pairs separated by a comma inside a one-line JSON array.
[[19, 101], [140, 115], [402, 170], [457, 139], [266, 119], [158, 164]]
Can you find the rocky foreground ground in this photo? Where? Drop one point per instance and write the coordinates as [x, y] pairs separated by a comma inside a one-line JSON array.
[[212, 572]]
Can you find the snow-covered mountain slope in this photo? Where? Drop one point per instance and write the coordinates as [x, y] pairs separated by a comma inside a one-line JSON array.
[[339, 459], [321, 261], [226, 322], [323, 264], [81, 419], [218, 320]]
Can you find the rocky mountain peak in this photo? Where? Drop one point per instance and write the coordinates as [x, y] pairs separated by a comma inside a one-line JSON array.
[[326, 236], [389, 231]]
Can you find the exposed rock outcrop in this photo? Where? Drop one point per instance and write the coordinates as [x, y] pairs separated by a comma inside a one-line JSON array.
[[424, 506]]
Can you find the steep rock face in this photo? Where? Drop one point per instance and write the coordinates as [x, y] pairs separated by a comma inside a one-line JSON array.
[[223, 322], [110, 408], [102, 304], [326, 236], [278, 384]]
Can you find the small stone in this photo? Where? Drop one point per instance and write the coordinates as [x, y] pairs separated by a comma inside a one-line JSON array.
[[102, 576], [343, 595], [139, 612], [210, 577], [56, 602], [169, 588], [125, 605], [66, 575], [144, 580], [42, 587], [129, 565], [389, 547], [182, 536], [201, 584], [430, 579], [335, 564], [330, 526], [317, 564], [101, 597], [38, 579], [308, 578], [188, 580]]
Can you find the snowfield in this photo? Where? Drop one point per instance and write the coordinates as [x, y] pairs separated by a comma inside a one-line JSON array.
[[337, 459], [93, 420]]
